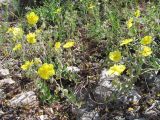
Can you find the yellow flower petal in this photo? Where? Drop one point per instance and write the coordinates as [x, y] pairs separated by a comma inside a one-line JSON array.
[[116, 70], [26, 65], [125, 42], [129, 23], [57, 46], [115, 56], [146, 51], [31, 38], [137, 13], [146, 40], [17, 47], [69, 44]]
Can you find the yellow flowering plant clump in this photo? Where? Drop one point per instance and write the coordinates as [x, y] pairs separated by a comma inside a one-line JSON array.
[[32, 18], [146, 51], [137, 13], [26, 65], [125, 42], [17, 47], [69, 44], [46, 71], [116, 69], [146, 40], [129, 23], [115, 56], [31, 38]]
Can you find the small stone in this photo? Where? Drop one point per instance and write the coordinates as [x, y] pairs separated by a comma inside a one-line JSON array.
[[7, 81], [1, 113], [2, 94], [93, 115], [24, 99], [133, 97], [4, 72], [43, 117], [0, 65], [73, 69]]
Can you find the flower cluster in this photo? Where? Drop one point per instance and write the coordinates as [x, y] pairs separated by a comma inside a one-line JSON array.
[[116, 56]]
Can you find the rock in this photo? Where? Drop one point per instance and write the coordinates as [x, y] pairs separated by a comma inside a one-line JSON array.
[[132, 96], [1, 113], [24, 99], [93, 115], [140, 119], [4, 72], [2, 1], [119, 118], [43, 117], [73, 69], [0, 65], [2, 94], [105, 87], [7, 81]]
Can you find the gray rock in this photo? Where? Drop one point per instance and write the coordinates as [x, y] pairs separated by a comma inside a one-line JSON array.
[[4, 72], [6, 81], [0, 65], [140, 119], [93, 115], [73, 69], [2, 94], [43, 117], [24, 99], [1, 113], [132, 96], [105, 87]]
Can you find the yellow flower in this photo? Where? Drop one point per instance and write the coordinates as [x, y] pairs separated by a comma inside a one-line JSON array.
[[69, 44], [125, 42], [37, 61], [16, 32], [115, 56], [146, 51], [91, 6], [116, 70], [38, 31], [27, 65], [17, 47], [10, 30], [31, 38], [130, 109], [32, 18], [137, 13], [58, 10], [146, 40], [57, 45], [129, 22], [46, 71]]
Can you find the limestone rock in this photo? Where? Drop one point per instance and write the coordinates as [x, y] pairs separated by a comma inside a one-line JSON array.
[[7, 81], [24, 99], [2, 94], [4, 72], [73, 69], [93, 115]]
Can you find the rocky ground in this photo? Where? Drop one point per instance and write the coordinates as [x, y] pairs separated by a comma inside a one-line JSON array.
[[19, 99]]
